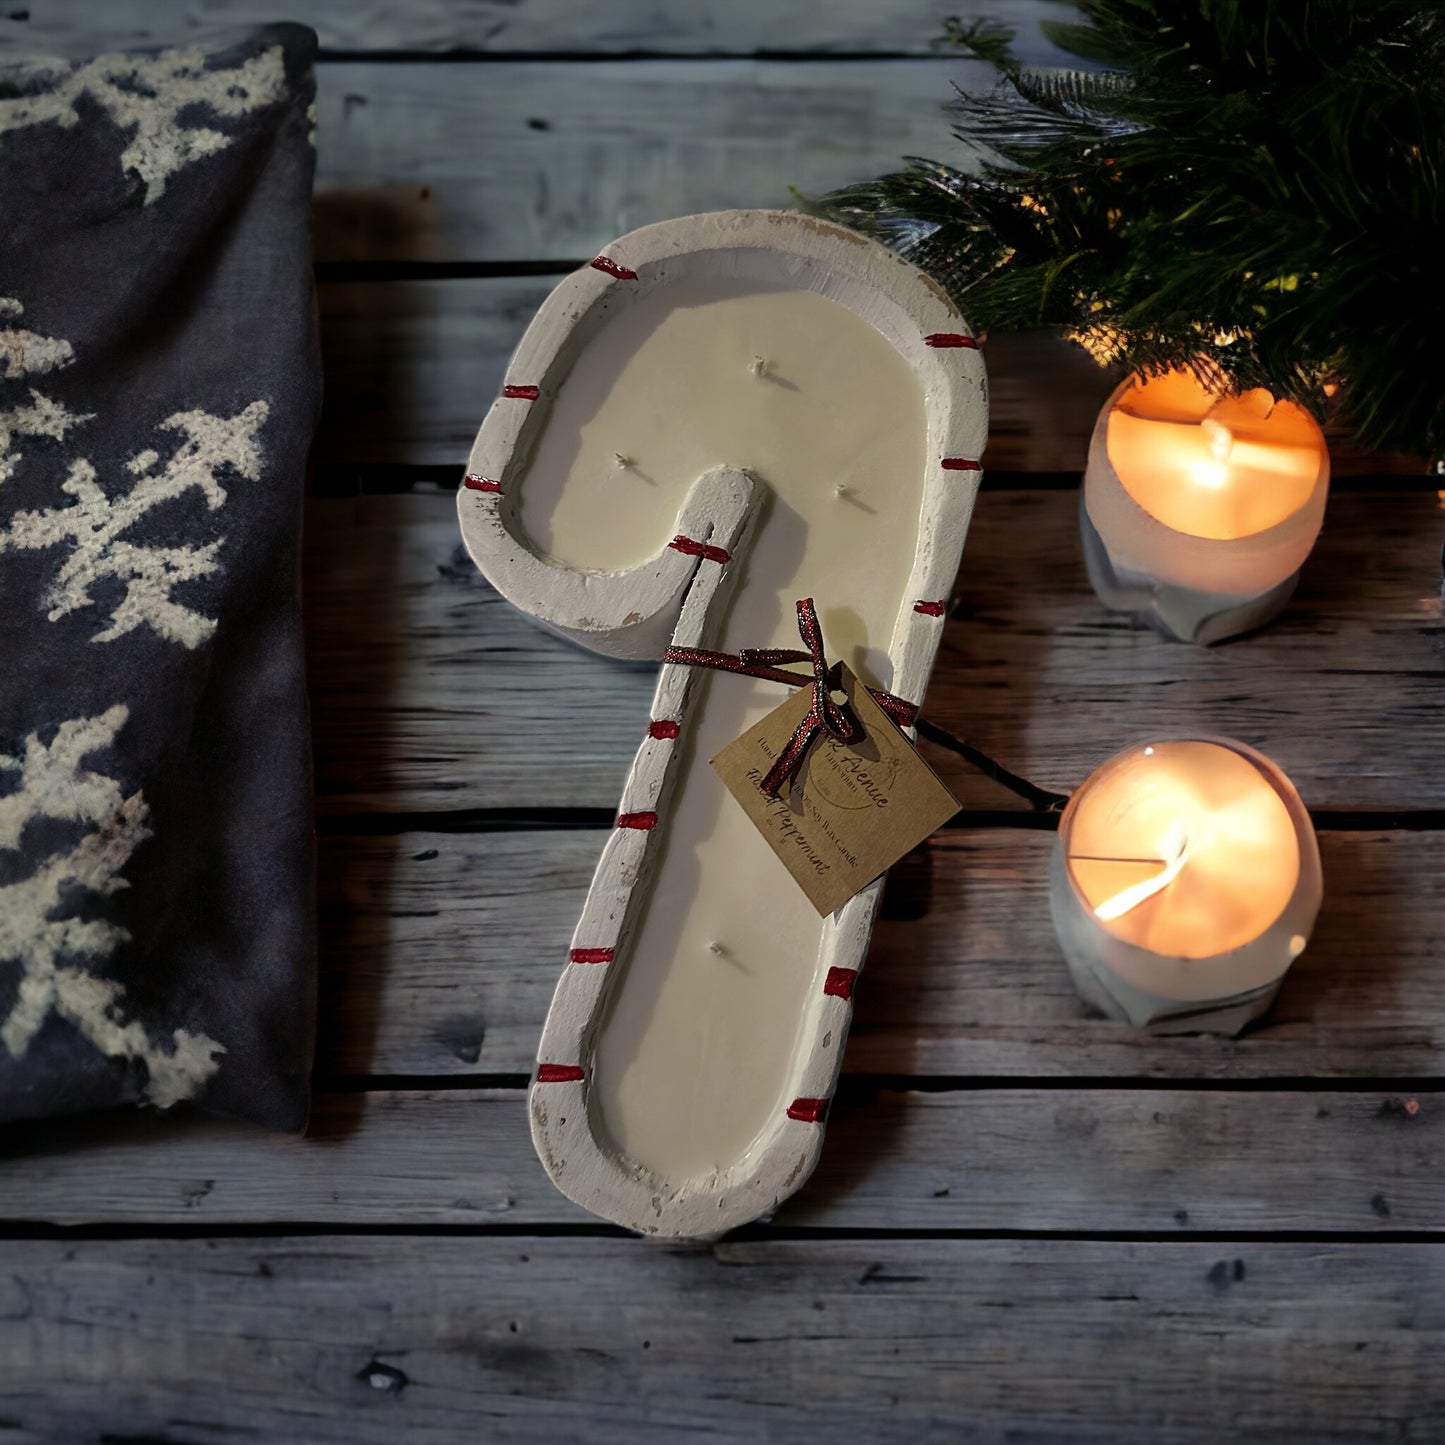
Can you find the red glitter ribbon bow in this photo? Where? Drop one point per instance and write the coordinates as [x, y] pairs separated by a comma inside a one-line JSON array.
[[824, 713]]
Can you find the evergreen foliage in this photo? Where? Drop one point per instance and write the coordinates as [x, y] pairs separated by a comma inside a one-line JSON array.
[[1249, 187]]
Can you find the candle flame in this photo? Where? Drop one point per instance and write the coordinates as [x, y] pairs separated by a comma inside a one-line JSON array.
[[1219, 437], [1220, 441], [1174, 849]]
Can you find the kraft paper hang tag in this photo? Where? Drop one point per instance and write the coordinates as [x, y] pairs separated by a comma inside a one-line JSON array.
[[851, 811]]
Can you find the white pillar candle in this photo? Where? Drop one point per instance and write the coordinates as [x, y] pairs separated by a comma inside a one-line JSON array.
[[1198, 511], [1185, 880]]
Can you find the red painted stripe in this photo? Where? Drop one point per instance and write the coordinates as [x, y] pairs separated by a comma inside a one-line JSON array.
[[559, 1073], [591, 955], [960, 464], [645, 821], [480, 484], [929, 609], [607, 264], [840, 981], [949, 339], [522, 393], [808, 1111], [699, 549], [663, 727]]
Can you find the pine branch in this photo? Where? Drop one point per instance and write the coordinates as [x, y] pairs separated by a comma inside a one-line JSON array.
[[1250, 187]]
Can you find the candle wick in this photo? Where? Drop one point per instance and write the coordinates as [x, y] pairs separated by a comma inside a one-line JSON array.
[[1221, 439], [623, 461], [1175, 846], [760, 366], [1110, 858]]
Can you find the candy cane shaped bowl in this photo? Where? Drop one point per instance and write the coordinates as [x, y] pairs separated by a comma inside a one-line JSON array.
[[718, 415]]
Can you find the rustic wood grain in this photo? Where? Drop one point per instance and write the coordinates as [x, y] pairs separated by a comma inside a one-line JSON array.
[[441, 947], [1067, 1160], [411, 367], [430, 692], [592, 27], [496, 161], [440, 953], [433, 1340]]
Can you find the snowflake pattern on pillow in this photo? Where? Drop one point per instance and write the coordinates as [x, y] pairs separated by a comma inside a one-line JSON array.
[[159, 385]]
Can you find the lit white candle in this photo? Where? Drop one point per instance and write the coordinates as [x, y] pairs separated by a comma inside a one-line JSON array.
[[1185, 881], [1198, 511]]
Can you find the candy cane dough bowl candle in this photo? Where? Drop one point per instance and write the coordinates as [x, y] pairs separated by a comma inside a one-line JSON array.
[[1199, 510], [720, 415], [1185, 881]]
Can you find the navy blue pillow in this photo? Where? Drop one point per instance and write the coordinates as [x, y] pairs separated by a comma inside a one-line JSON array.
[[159, 385]]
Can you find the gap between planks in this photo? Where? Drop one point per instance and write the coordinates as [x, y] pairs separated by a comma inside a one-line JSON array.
[[440, 953], [788, 1340], [412, 364], [430, 694], [1159, 1162], [525, 820]]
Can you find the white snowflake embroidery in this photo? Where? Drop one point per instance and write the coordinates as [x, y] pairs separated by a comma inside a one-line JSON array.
[[146, 95], [41, 418], [54, 785], [24, 353], [94, 526]]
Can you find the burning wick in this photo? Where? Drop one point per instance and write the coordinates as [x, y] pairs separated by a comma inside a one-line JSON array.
[[1213, 474], [1174, 845], [1220, 438]]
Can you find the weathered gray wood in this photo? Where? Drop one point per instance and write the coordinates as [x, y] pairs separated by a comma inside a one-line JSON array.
[[604, 27], [977, 983], [613, 1340], [430, 692], [420, 674], [430, 695], [411, 367], [992, 1159], [444, 162], [440, 953], [503, 161]]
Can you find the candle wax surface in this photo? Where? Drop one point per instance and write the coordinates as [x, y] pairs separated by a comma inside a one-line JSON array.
[[695, 1053], [1241, 861], [1211, 467]]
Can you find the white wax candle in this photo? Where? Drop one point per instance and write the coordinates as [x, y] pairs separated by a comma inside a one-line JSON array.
[[1186, 879], [692, 1061], [1198, 511]]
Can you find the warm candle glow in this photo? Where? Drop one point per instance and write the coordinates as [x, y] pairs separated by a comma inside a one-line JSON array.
[[1220, 468], [1183, 848], [1175, 847]]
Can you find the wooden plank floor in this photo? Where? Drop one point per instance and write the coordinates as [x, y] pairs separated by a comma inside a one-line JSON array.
[[1029, 1225]]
